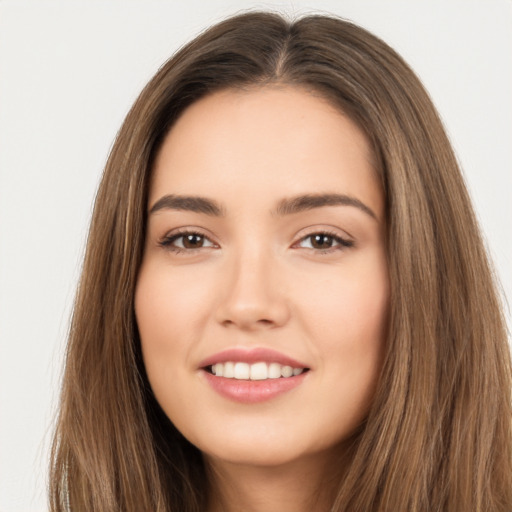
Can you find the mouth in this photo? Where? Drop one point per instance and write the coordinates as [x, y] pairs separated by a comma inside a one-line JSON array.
[[259, 371], [252, 376], [249, 376]]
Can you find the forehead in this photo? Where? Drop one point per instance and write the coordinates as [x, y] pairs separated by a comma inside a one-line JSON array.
[[272, 141]]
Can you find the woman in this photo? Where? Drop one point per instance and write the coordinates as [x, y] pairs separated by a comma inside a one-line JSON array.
[[285, 302]]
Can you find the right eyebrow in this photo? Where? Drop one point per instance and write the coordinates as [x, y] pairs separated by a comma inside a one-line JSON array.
[[188, 203]]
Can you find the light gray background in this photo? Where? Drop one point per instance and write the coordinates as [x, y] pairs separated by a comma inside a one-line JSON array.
[[69, 72]]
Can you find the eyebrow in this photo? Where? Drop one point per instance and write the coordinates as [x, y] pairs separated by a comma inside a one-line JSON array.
[[188, 203], [284, 207], [309, 201]]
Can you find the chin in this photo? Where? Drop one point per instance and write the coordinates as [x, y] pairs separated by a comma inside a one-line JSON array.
[[255, 455], [263, 446]]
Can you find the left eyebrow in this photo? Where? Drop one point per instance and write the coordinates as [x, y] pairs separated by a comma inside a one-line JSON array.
[[188, 203], [300, 203]]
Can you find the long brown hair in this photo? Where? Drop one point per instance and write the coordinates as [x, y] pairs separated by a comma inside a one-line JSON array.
[[438, 436]]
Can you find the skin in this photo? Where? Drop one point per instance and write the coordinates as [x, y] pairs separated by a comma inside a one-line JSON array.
[[256, 279]]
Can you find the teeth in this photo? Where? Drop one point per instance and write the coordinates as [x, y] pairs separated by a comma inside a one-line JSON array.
[[229, 370], [242, 371], [256, 371], [274, 371], [286, 371], [218, 369], [259, 371]]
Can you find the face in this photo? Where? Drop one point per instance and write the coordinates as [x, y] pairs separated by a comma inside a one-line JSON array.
[[262, 296]]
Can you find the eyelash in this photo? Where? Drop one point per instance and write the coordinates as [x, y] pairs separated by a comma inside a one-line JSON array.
[[167, 242]]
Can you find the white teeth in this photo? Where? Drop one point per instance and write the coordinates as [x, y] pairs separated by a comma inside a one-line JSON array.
[[256, 371], [286, 371], [274, 371], [229, 370], [259, 371], [242, 371], [218, 369]]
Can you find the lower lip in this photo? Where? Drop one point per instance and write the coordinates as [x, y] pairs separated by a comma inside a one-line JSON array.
[[252, 391]]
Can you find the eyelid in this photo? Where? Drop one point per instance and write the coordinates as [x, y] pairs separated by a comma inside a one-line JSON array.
[[325, 229], [344, 242], [167, 240]]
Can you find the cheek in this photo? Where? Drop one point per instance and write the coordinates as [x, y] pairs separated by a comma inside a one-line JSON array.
[[351, 307], [348, 321], [168, 306], [168, 311]]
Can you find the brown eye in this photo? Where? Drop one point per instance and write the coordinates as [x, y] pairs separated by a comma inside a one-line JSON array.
[[186, 241], [322, 241], [192, 241], [325, 242]]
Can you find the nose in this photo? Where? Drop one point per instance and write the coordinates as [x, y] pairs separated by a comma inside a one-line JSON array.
[[253, 297]]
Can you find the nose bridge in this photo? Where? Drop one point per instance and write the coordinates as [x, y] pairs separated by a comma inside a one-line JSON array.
[[252, 297]]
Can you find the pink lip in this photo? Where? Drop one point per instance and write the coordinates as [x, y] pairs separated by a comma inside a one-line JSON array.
[[252, 391], [254, 355]]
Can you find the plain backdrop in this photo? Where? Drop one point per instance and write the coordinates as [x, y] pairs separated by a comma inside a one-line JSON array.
[[69, 72]]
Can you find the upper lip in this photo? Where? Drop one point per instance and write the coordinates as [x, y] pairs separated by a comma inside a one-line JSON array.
[[253, 355]]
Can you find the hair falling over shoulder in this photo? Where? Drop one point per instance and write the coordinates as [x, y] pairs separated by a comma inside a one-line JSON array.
[[438, 437]]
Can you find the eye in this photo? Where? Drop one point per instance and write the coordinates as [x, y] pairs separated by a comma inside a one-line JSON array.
[[324, 242], [186, 241]]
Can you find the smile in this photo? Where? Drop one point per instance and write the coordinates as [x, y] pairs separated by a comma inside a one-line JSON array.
[[257, 371], [252, 375]]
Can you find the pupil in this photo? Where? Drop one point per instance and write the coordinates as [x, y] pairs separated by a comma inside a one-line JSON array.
[[192, 241], [322, 241]]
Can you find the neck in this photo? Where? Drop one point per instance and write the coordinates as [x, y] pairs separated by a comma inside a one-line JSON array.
[[299, 486]]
